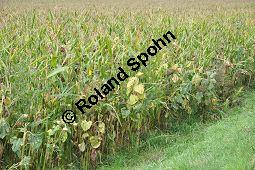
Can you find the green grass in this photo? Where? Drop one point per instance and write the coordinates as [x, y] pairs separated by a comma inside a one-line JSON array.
[[226, 144]]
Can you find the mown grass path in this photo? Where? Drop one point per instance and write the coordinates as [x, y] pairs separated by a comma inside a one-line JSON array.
[[226, 144]]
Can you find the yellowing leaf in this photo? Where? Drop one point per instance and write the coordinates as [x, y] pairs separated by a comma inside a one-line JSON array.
[[214, 101], [174, 67], [85, 125], [95, 141], [139, 88], [50, 132], [132, 81], [85, 135], [90, 72], [82, 146], [7, 101], [189, 64], [132, 99], [141, 96], [129, 91], [175, 78], [64, 136], [196, 79], [185, 104], [179, 69], [139, 74], [101, 127]]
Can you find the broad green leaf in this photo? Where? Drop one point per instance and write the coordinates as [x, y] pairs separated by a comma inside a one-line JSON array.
[[50, 132], [125, 113], [4, 128], [56, 71], [85, 125], [35, 141], [179, 99], [199, 96], [55, 129], [1, 107], [211, 86], [25, 161], [16, 144], [138, 107], [95, 141]]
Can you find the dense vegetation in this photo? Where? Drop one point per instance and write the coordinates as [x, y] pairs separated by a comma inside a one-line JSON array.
[[53, 55], [221, 144]]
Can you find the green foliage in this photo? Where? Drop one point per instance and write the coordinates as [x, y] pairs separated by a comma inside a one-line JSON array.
[[49, 59], [223, 144], [4, 128]]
